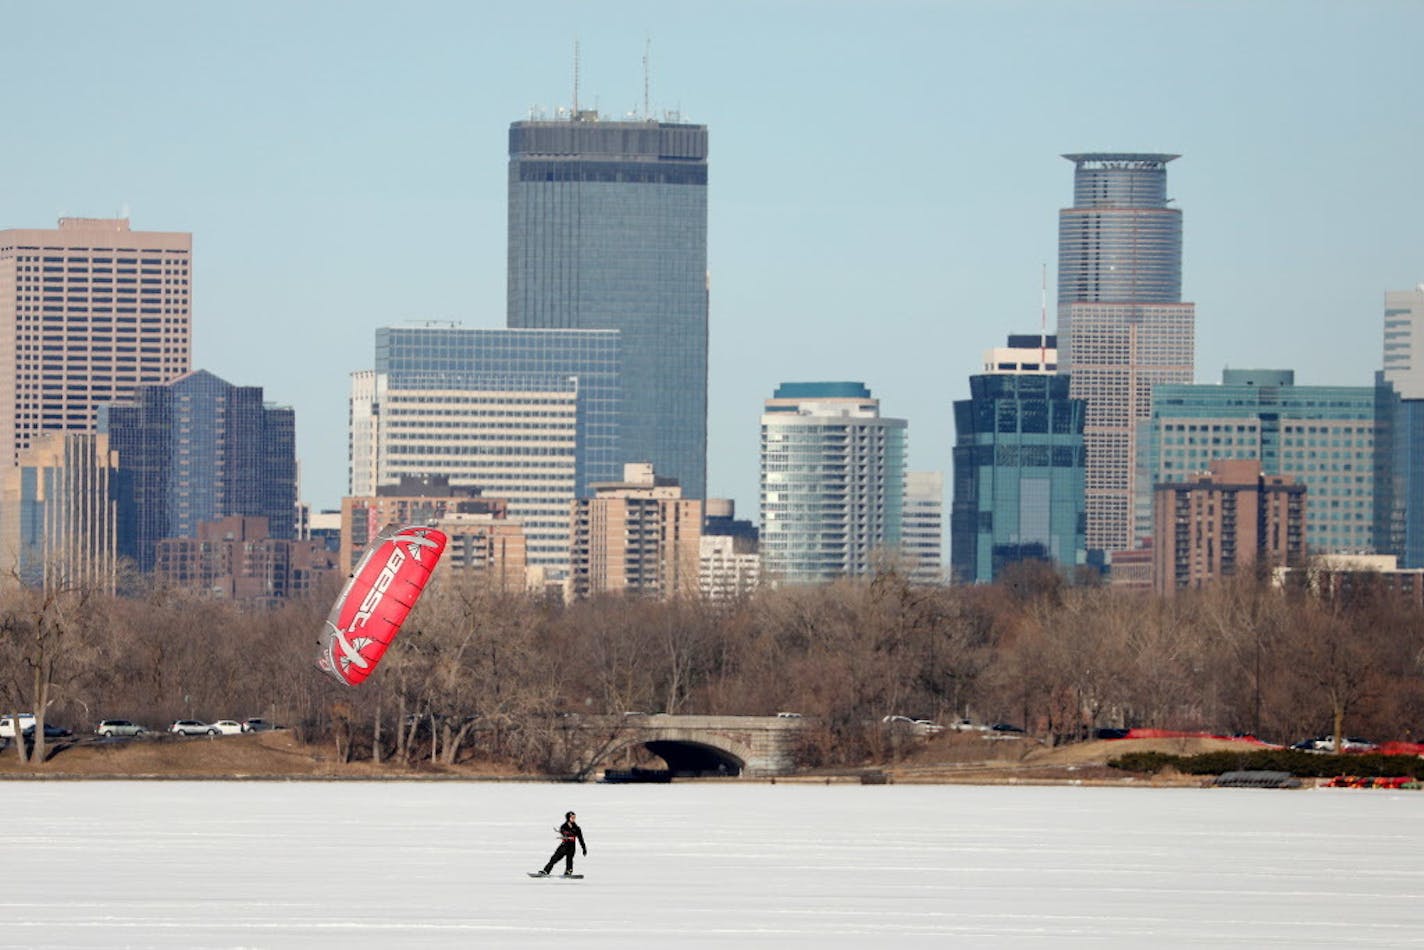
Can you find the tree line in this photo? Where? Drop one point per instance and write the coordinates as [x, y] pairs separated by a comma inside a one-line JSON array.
[[480, 675]]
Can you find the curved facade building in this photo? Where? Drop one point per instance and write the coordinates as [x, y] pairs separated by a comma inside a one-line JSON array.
[[832, 482], [1120, 242]]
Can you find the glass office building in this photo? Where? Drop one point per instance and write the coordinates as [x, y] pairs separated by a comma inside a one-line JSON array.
[[199, 449], [1336, 440], [443, 356], [608, 230], [1407, 471], [832, 482], [1122, 325], [1018, 475]]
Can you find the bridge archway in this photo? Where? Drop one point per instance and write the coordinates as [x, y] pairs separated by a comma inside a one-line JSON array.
[[687, 758], [690, 745], [695, 758]]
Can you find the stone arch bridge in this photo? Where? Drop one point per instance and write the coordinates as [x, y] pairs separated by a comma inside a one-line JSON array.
[[694, 745]]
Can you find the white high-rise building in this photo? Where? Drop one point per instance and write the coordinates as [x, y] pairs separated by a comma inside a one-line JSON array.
[[922, 537], [726, 573], [515, 444], [1404, 341], [832, 482], [1026, 353]]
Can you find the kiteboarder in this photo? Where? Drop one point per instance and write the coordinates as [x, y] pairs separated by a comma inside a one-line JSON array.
[[568, 833]]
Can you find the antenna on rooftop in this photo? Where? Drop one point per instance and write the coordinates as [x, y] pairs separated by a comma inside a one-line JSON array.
[[576, 76], [1043, 320], [647, 48]]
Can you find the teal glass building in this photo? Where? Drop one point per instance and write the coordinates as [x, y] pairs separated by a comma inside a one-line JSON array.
[[1018, 476], [1338, 441], [832, 482], [1407, 471], [608, 231]]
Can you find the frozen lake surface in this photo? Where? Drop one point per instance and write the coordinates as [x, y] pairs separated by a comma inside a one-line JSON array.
[[442, 864]]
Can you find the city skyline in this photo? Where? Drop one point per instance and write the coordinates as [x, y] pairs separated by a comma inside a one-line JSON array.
[[323, 155]]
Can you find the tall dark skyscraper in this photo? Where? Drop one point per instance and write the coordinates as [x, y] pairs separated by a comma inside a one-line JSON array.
[[608, 231], [1122, 325], [199, 449]]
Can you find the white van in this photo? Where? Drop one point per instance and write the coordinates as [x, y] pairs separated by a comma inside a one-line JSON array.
[[7, 725]]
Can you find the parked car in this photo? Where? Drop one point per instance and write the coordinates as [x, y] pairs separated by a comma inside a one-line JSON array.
[[228, 727], [919, 727], [27, 727], [1004, 730], [7, 725], [192, 727], [1327, 744], [119, 727], [257, 725]]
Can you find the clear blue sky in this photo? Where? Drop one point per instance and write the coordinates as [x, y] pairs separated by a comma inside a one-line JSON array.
[[884, 181]]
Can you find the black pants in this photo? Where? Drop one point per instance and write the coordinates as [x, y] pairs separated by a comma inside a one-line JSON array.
[[565, 851]]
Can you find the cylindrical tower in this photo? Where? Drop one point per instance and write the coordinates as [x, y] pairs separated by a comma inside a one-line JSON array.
[[1119, 243]]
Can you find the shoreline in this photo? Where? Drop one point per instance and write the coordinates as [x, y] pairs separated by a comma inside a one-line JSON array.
[[278, 757]]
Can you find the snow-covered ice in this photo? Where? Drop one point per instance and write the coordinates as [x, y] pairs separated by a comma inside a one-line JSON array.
[[442, 864]]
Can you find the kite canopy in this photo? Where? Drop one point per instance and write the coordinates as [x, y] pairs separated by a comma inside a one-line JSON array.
[[369, 611]]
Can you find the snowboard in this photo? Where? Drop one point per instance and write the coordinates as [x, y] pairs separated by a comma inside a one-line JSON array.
[[553, 877]]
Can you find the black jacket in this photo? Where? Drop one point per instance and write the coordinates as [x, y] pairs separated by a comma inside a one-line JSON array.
[[571, 832]]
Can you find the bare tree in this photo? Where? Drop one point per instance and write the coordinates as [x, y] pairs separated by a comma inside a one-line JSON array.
[[1331, 655], [44, 633]]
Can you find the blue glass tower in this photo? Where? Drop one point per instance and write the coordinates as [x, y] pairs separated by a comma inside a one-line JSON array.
[[1018, 475], [447, 356], [1407, 471], [198, 449], [608, 230]]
